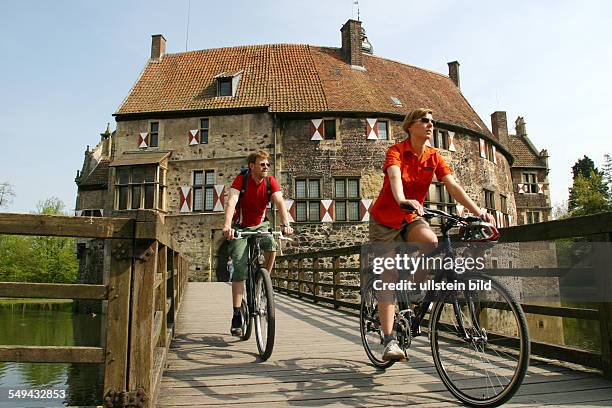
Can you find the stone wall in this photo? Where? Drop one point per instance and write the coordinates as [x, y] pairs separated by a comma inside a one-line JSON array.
[[530, 201]]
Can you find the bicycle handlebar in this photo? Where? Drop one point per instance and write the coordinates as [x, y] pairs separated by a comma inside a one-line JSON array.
[[431, 213], [242, 234]]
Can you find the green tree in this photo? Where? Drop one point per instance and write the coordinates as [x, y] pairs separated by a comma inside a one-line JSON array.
[[607, 172], [590, 195]]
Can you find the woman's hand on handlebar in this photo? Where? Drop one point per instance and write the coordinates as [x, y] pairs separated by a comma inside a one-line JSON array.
[[418, 208], [287, 230], [486, 217]]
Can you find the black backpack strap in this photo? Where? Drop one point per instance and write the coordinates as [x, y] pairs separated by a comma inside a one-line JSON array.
[[269, 189], [245, 182]]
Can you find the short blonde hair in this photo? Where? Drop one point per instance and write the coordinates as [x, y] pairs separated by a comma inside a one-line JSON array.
[[260, 154], [414, 116]]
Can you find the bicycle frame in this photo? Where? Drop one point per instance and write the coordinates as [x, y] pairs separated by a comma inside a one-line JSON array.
[[254, 252]]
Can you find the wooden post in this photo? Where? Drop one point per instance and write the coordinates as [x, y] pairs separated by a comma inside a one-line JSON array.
[[142, 312], [118, 257], [601, 259], [301, 274], [337, 280], [160, 298], [316, 290]]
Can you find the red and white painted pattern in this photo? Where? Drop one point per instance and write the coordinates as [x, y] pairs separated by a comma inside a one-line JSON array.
[[494, 154], [372, 129], [451, 142], [218, 197], [460, 209], [521, 188], [194, 137], [289, 204], [316, 129], [327, 211], [483, 148], [364, 209], [143, 140], [185, 199], [540, 188]]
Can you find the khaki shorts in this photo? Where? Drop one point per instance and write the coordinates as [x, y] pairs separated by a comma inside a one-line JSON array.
[[382, 233]]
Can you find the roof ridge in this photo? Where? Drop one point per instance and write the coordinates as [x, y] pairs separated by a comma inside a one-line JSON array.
[[142, 71], [234, 47], [407, 65]]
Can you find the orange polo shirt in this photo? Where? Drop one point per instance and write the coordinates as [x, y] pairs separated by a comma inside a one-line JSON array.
[[417, 174]]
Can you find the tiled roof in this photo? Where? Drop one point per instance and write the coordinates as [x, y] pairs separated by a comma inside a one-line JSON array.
[[524, 153], [97, 177], [295, 78]]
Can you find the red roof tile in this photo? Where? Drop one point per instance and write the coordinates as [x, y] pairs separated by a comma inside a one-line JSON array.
[[295, 78]]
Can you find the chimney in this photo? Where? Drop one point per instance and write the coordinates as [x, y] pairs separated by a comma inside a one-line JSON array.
[[453, 72], [351, 43], [499, 126], [521, 129], [158, 46]]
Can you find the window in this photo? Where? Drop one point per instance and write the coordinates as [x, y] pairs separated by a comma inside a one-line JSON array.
[[489, 152], [154, 134], [531, 217], [347, 196], [307, 199], [224, 87], [503, 204], [203, 190], [440, 139], [383, 130], [329, 129], [439, 198], [204, 123], [531, 182], [91, 213], [140, 187], [489, 201]]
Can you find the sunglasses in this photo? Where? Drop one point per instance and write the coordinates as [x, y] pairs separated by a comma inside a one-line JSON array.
[[263, 164], [427, 120]]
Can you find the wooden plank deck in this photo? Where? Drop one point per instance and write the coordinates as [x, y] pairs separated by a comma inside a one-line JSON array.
[[318, 360]]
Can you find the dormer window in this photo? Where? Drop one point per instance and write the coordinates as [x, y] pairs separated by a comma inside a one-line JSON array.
[[227, 83], [224, 86]]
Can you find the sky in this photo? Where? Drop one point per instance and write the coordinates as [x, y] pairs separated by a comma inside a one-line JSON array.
[[66, 66]]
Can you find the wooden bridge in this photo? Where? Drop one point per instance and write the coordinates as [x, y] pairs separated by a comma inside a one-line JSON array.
[[166, 341]]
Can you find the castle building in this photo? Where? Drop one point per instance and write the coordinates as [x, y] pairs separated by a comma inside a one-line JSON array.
[[326, 115]]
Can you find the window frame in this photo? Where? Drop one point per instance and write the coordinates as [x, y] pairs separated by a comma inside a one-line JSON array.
[[336, 130], [220, 82], [202, 129], [532, 184], [159, 184], [388, 131], [307, 200], [205, 187], [449, 204], [440, 135], [345, 199], [151, 133], [489, 200], [529, 217]]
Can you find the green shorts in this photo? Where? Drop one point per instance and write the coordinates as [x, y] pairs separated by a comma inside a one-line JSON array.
[[238, 250]]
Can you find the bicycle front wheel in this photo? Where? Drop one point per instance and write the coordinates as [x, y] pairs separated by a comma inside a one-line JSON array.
[[264, 314], [480, 343]]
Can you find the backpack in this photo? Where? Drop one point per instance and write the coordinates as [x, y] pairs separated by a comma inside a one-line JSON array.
[[245, 172]]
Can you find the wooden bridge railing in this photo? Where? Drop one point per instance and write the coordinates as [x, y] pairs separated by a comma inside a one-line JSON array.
[[332, 277], [144, 281]]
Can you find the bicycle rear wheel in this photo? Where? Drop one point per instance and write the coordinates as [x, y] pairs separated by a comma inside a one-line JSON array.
[[480, 343], [369, 325], [265, 324]]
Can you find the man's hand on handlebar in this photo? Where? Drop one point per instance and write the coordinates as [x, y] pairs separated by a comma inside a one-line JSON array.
[[287, 230], [486, 217], [228, 232], [412, 206]]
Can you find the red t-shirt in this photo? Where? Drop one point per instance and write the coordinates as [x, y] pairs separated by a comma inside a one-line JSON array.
[[417, 174], [254, 201]]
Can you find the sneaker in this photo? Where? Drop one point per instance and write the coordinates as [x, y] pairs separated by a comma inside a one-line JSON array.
[[236, 329], [393, 352]]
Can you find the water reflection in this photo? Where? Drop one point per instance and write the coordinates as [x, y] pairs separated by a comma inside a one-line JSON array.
[[49, 324]]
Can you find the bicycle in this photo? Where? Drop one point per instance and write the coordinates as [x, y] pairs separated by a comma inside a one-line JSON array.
[[462, 345], [258, 307]]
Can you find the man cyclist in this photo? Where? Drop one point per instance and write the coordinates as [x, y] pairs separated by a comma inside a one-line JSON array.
[[251, 197], [409, 169]]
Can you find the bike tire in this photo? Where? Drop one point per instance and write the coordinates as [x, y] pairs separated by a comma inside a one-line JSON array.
[[247, 321], [265, 324], [369, 327], [499, 346]]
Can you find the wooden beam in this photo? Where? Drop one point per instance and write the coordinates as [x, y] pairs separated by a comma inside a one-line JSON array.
[[52, 290], [51, 354], [63, 226]]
